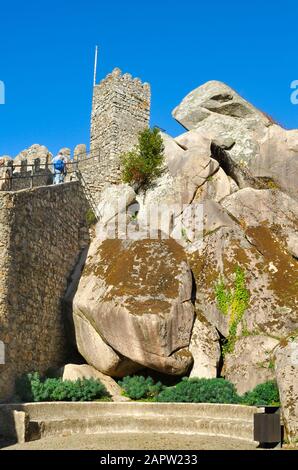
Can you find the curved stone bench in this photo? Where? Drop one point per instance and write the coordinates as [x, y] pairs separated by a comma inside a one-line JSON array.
[[36, 420]]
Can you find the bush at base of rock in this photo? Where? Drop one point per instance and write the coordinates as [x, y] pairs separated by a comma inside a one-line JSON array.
[[144, 163], [138, 387], [197, 390], [265, 394], [30, 387]]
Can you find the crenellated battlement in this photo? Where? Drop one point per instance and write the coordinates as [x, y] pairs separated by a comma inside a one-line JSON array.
[[125, 78]]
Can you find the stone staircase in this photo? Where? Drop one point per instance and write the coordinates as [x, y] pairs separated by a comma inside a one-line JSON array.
[[37, 420]]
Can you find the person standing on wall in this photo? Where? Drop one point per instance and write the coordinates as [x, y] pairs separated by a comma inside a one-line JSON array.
[[59, 163]]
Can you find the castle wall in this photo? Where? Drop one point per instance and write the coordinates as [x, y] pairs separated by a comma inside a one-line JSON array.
[[23, 180], [93, 179], [42, 232]]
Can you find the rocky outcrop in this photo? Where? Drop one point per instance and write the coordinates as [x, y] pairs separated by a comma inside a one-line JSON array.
[[184, 174], [219, 112], [252, 231], [216, 187], [286, 369], [278, 158], [215, 97], [134, 301], [251, 139], [115, 199], [233, 173], [268, 208]]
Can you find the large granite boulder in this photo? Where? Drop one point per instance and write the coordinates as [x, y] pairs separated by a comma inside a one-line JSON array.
[[172, 149], [218, 98], [216, 188], [198, 220], [251, 362], [270, 277], [134, 300], [112, 211], [74, 372], [278, 158], [205, 348], [187, 174], [286, 369], [195, 138], [178, 185], [272, 209], [217, 111], [98, 353]]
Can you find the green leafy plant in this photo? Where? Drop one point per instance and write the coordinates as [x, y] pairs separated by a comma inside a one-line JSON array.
[[90, 217], [265, 394], [137, 387], [145, 161], [197, 390], [30, 387], [223, 297], [232, 302]]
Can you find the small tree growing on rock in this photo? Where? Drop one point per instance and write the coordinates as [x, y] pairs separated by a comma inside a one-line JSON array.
[[145, 161]]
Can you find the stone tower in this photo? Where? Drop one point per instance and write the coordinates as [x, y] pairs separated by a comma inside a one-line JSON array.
[[120, 110]]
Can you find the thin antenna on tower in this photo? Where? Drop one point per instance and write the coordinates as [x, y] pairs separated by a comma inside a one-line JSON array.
[[95, 65]]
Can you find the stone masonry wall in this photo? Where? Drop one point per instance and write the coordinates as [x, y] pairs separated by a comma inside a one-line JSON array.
[[120, 110], [93, 178], [42, 232]]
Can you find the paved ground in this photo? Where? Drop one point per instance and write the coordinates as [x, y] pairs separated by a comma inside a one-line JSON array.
[[133, 442]]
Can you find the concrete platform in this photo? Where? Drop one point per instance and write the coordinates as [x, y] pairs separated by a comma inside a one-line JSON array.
[[133, 441], [32, 421]]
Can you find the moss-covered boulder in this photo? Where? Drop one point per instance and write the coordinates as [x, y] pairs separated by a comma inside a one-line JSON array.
[[136, 298]]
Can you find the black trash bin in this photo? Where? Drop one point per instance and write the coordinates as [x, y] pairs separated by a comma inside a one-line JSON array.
[[267, 426]]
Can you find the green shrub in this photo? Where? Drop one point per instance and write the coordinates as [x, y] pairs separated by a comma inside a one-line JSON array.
[[145, 161], [90, 218], [197, 390], [263, 394], [30, 387], [137, 387]]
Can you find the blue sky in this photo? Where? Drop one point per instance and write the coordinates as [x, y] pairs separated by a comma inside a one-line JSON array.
[[47, 53]]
